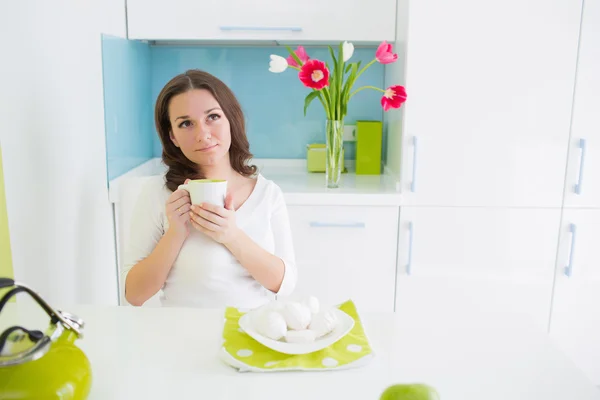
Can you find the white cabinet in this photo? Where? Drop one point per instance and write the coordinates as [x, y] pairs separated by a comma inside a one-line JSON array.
[[583, 172], [575, 323], [346, 252], [250, 20], [489, 258], [490, 86]]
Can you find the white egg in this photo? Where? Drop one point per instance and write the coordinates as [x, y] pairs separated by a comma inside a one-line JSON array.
[[270, 324], [302, 336], [297, 316], [323, 323], [313, 304]]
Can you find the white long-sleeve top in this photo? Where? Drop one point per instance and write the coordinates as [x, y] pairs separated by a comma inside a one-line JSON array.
[[205, 273]]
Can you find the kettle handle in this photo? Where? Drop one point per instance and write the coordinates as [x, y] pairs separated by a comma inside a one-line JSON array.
[[6, 282], [54, 315], [19, 289]]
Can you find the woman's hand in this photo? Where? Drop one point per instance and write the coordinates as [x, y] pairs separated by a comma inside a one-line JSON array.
[[215, 221], [178, 212]]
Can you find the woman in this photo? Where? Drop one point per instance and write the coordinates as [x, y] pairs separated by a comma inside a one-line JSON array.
[[239, 255]]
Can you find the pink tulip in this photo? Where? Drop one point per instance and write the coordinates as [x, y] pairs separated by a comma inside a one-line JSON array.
[[394, 97], [314, 74], [384, 53], [301, 54]]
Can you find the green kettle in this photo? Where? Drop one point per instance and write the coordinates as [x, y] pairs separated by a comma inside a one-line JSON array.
[[42, 365]]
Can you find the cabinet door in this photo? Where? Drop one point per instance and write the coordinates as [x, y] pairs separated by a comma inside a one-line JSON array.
[[209, 19], [346, 253], [583, 173], [489, 101], [575, 323], [482, 258], [244, 20], [339, 20]]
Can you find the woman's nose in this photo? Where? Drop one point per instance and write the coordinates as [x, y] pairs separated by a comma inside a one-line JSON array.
[[203, 133]]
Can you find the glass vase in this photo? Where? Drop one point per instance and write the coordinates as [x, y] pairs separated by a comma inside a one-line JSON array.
[[334, 131]]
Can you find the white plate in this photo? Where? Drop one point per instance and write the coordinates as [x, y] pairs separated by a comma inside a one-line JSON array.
[[345, 323]]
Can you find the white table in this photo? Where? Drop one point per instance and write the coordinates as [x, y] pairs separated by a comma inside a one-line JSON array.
[[166, 353]]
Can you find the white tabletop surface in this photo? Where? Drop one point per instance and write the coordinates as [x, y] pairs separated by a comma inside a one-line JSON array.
[[171, 353]]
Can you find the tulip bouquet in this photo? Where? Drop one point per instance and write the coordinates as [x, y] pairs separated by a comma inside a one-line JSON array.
[[333, 87]]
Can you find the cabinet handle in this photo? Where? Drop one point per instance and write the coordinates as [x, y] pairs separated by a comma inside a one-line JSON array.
[[414, 166], [314, 224], [581, 160], [569, 267], [261, 28], [410, 246]]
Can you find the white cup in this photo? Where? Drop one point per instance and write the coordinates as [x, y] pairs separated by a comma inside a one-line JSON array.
[[211, 191]]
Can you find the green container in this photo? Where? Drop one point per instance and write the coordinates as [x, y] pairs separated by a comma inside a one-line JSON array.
[[43, 366], [369, 138], [316, 157]]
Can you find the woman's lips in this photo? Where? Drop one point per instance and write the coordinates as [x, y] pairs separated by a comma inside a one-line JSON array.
[[207, 148]]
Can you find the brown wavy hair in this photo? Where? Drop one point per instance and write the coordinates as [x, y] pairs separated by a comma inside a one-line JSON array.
[[179, 166]]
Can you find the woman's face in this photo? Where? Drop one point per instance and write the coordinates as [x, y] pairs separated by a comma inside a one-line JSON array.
[[199, 127]]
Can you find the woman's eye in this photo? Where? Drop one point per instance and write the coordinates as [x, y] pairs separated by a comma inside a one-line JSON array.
[[214, 117], [185, 124]]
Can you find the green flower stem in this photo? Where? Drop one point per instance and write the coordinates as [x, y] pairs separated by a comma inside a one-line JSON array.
[[366, 87], [334, 132], [340, 81], [322, 100], [364, 69], [327, 96]]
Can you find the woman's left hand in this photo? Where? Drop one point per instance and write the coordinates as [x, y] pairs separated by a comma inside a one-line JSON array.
[[215, 221]]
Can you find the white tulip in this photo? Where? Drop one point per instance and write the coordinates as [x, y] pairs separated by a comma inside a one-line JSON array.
[[348, 50], [278, 64]]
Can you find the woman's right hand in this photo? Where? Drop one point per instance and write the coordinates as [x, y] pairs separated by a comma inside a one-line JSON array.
[[178, 212]]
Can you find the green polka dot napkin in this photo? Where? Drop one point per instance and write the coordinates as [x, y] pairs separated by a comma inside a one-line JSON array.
[[243, 353]]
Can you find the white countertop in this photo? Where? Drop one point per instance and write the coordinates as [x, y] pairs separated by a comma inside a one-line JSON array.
[[298, 185], [171, 353]]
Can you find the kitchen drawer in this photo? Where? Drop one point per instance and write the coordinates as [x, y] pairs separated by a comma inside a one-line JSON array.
[[346, 252]]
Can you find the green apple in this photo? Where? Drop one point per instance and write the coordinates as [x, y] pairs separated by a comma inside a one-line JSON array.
[[413, 391]]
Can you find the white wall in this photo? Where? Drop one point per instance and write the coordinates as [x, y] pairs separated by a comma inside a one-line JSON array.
[[52, 133]]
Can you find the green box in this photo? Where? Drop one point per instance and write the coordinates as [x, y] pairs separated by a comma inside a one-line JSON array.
[[316, 157], [369, 138]]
